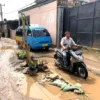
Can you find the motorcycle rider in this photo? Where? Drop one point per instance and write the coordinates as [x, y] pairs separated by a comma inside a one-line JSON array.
[[67, 42]]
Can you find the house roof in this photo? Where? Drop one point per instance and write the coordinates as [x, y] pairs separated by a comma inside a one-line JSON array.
[[38, 4]]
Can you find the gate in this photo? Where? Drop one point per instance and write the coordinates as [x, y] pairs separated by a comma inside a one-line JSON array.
[[84, 24]]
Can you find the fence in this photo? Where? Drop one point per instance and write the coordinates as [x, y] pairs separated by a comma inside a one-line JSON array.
[[84, 23]]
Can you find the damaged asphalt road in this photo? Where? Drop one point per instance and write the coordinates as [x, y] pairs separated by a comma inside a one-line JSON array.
[[91, 84], [17, 86]]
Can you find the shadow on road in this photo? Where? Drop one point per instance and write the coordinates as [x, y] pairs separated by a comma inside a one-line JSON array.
[[90, 80], [43, 51]]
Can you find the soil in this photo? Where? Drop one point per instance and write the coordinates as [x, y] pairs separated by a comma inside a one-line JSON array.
[[91, 85], [10, 81], [17, 86]]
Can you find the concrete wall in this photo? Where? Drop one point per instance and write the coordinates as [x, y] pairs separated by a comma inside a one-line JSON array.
[[12, 33], [46, 16]]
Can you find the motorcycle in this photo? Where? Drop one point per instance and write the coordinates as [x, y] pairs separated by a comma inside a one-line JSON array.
[[75, 61]]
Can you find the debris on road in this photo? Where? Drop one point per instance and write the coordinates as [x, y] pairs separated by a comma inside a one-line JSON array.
[[33, 67], [57, 80], [16, 79]]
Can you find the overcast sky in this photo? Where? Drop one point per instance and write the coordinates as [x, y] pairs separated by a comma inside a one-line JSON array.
[[12, 5]]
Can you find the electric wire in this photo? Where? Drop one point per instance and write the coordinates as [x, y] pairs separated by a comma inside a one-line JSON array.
[[6, 2], [19, 8]]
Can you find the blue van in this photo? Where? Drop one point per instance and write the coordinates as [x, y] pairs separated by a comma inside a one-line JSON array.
[[37, 38]]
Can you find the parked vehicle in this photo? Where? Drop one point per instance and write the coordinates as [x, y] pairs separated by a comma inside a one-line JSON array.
[[75, 65], [37, 37]]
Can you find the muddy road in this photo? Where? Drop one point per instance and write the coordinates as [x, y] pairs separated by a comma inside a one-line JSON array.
[[17, 86], [48, 92]]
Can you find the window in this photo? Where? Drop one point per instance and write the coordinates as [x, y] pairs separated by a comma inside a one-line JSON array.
[[29, 33], [19, 32], [40, 33]]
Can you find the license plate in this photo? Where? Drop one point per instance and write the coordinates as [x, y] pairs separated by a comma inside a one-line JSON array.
[[44, 45]]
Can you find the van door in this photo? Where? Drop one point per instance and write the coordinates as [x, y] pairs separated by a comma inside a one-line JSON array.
[[19, 35]]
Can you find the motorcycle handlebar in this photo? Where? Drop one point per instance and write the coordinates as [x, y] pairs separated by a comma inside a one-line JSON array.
[[74, 48]]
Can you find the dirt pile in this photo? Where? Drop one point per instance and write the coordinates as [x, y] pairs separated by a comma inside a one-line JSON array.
[[10, 81], [7, 43]]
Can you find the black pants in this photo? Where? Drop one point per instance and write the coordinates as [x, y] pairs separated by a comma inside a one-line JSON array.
[[66, 58]]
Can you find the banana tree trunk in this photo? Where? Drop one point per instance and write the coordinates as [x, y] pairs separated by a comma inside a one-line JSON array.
[[23, 17]]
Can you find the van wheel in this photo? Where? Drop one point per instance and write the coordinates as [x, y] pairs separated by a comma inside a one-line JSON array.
[[47, 49]]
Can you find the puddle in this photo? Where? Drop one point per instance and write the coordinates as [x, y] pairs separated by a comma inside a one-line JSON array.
[[47, 92], [39, 92]]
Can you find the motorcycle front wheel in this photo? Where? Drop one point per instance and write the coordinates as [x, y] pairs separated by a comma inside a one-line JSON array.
[[82, 71]]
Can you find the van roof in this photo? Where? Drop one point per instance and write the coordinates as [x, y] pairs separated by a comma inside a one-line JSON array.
[[32, 27], [36, 27]]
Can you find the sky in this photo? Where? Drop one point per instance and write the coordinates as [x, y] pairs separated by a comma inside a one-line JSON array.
[[13, 5]]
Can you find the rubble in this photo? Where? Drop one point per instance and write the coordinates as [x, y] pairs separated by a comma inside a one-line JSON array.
[[57, 80], [12, 81], [34, 65], [26, 70]]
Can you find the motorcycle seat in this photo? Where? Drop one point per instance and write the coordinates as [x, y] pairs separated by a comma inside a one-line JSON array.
[[78, 52]]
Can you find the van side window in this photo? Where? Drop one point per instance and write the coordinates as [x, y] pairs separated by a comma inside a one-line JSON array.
[[19, 33], [40, 33], [29, 33], [47, 33]]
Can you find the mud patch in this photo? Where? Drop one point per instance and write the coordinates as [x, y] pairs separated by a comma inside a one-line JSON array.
[[11, 82]]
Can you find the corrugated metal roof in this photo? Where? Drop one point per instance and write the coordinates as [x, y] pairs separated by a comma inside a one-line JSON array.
[[38, 4]]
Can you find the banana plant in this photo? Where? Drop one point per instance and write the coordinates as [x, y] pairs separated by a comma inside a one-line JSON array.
[[24, 22], [22, 54]]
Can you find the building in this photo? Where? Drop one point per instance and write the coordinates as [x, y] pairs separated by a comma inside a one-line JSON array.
[[44, 13], [47, 13], [8, 28]]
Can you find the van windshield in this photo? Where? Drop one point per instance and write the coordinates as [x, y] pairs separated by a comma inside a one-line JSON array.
[[40, 33]]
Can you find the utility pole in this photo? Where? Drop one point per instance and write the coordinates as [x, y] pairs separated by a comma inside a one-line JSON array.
[[1, 14]]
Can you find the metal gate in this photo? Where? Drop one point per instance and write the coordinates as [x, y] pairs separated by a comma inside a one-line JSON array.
[[84, 23]]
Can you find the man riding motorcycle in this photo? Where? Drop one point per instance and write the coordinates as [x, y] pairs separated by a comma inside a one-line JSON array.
[[67, 42]]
